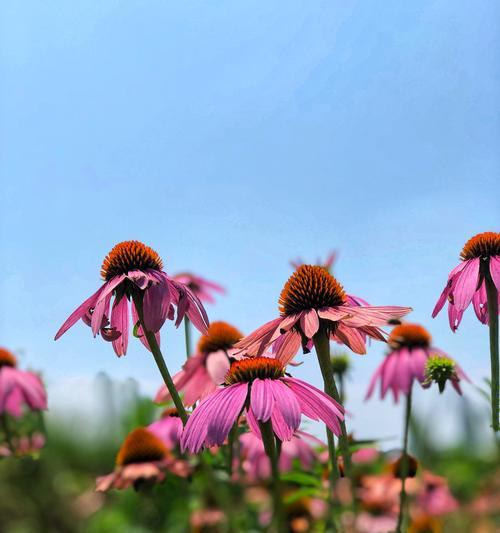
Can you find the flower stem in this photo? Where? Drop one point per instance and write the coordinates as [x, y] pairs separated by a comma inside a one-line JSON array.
[[266, 430], [492, 296], [162, 367], [6, 430], [322, 345], [187, 336], [404, 463], [231, 444]]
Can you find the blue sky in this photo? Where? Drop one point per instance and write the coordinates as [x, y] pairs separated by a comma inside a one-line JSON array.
[[231, 137]]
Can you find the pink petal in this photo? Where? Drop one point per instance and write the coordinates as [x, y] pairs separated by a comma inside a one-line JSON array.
[[495, 271], [351, 337], [120, 322], [309, 323], [217, 365], [262, 399], [156, 305], [286, 403], [257, 342], [372, 315], [287, 346], [466, 284], [79, 312]]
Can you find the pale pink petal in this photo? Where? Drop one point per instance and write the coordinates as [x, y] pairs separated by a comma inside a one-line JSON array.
[[217, 365], [287, 346], [289, 321], [255, 343], [351, 337], [334, 314], [372, 315], [309, 323]]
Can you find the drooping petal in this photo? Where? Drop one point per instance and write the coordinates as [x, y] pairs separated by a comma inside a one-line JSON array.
[[262, 399], [256, 343], [140, 332], [372, 315], [286, 403], [79, 312], [351, 337], [120, 322], [495, 270], [316, 404], [466, 284], [156, 304], [309, 323], [102, 303], [480, 303], [287, 346], [229, 406], [217, 365]]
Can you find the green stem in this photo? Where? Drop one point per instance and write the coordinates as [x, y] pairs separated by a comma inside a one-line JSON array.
[[162, 367], [322, 345], [231, 444], [7, 432], [492, 295], [187, 335], [404, 464], [266, 430]]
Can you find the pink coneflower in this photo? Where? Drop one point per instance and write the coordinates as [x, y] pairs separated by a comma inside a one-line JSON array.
[[19, 388], [203, 372], [260, 387], [406, 362], [142, 459], [203, 288], [311, 301], [434, 496], [467, 282], [326, 264], [168, 428], [256, 462], [24, 445], [133, 272]]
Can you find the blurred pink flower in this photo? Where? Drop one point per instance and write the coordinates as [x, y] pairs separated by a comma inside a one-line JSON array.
[[24, 445], [143, 458], [256, 462], [203, 288], [132, 268], [434, 496], [168, 428], [203, 372], [260, 387], [311, 300], [365, 456], [19, 388], [411, 348], [466, 282]]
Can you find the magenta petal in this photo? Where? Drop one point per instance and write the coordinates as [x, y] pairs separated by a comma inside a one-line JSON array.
[[229, 405], [156, 304], [120, 322], [466, 284], [286, 403], [79, 312], [140, 332], [281, 429], [495, 271], [262, 399], [102, 303]]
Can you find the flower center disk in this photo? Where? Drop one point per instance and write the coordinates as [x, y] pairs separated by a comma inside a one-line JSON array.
[[220, 336], [310, 287], [141, 446], [127, 256], [482, 245], [409, 336], [247, 370], [6, 358]]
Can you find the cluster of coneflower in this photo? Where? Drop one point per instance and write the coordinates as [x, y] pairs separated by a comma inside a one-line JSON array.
[[237, 392]]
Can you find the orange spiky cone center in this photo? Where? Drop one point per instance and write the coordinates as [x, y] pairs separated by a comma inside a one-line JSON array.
[[141, 446], [485, 244], [247, 370], [409, 336], [219, 336], [7, 358], [127, 256]]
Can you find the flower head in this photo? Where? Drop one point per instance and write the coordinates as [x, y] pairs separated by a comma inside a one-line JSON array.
[[440, 369], [142, 458], [466, 283], [19, 388], [259, 387], [201, 287], [312, 300], [207, 368], [406, 362], [133, 275]]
